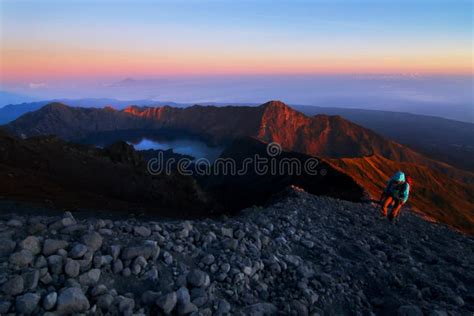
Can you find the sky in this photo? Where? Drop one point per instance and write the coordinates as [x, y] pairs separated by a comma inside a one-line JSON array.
[[58, 48]]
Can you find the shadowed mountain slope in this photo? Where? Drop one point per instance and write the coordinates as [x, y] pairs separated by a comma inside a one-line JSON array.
[[46, 169], [433, 194]]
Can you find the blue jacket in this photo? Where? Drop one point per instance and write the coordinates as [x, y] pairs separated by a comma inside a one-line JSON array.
[[401, 192], [398, 177]]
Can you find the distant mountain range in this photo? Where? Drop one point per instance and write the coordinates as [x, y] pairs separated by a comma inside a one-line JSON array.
[[10, 112], [445, 140], [441, 191]]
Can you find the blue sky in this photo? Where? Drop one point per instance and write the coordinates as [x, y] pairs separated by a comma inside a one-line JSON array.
[[79, 48]]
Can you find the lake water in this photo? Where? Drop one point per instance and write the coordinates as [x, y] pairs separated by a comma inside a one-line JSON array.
[[194, 148]]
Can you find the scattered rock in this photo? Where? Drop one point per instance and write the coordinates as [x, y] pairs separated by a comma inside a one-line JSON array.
[[198, 278], [409, 310], [167, 302], [72, 300], [93, 240], [78, 251], [27, 303], [72, 268], [13, 286], [142, 231], [22, 258], [50, 300], [90, 278], [7, 246], [32, 244], [51, 246]]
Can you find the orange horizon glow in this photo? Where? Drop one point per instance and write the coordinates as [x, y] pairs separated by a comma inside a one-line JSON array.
[[28, 65]]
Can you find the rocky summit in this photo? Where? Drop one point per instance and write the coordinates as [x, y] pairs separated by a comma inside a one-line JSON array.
[[299, 255]]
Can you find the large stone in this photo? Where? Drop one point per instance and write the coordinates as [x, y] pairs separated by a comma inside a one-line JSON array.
[[260, 309], [16, 223], [146, 251], [182, 295], [93, 240], [167, 302], [22, 258], [30, 279], [66, 221], [27, 303], [90, 278], [227, 232], [78, 251], [149, 297], [186, 308], [125, 305], [7, 246], [14, 286], [72, 300], [105, 301], [117, 266], [208, 259], [50, 300], [55, 263], [198, 278], [409, 310], [223, 307], [72, 268], [32, 244], [51, 246], [99, 290], [115, 251], [142, 231], [4, 307]]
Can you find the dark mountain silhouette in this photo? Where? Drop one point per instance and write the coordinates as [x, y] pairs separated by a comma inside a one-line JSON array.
[[237, 190], [47, 169]]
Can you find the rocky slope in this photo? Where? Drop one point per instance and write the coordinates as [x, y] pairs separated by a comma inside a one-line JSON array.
[[300, 255]]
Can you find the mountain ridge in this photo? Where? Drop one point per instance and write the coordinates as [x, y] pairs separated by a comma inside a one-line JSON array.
[[329, 137]]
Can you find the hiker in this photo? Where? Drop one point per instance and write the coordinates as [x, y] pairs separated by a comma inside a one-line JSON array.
[[397, 192], [397, 178]]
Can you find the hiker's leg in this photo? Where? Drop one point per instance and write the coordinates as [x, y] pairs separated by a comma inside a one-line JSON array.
[[386, 204], [396, 210]]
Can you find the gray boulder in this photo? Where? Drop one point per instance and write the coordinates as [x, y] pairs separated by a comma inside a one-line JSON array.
[[72, 300], [51, 246], [14, 286], [78, 251], [22, 258], [198, 278], [93, 240], [409, 310], [90, 278], [72, 268], [50, 300], [31, 243], [167, 302], [27, 303], [7, 246]]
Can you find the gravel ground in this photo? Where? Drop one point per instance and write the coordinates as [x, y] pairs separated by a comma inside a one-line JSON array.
[[300, 255]]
